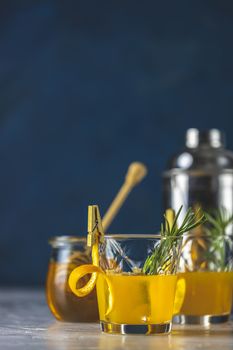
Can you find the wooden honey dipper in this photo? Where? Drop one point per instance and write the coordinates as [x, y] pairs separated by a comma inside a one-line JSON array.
[[136, 172]]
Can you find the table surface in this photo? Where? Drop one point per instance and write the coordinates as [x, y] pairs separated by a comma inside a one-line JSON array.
[[26, 323]]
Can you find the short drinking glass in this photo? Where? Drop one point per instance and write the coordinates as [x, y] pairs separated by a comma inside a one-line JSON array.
[[206, 265], [131, 300]]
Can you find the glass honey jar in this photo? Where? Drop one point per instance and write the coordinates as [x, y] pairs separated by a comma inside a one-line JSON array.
[[69, 252]]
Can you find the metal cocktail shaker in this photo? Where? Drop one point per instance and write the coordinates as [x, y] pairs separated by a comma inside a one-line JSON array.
[[201, 175]]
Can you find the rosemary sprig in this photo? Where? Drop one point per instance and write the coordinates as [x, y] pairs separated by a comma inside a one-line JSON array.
[[161, 259], [218, 221]]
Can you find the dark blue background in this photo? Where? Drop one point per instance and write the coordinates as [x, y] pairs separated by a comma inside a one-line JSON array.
[[86, 87]]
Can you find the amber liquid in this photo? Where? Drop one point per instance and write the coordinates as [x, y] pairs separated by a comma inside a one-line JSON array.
[[64, 305], [207, 293], [129, 299]]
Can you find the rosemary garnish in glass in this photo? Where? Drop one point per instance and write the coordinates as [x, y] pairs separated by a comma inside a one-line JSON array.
[[218, 221], [161, 259]]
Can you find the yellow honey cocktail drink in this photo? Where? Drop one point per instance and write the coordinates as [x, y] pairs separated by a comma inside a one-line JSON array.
[[206, 266], [136, 299], [207, 293], [136, 285], [135, 275]]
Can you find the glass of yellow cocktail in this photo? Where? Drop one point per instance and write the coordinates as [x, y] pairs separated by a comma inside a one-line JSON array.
[[129, 300], [135, 275], [206, 265], [132, 298]]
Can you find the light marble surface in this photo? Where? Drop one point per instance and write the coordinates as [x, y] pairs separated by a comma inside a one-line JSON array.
[[26, 323]]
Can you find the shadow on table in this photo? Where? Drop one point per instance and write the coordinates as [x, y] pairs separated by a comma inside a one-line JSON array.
[[212, 330], [73, 336]]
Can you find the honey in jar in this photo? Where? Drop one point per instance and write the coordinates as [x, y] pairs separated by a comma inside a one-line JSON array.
[[69, 252]]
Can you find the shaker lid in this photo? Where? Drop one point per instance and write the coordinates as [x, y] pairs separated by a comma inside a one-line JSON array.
[[212, 138]]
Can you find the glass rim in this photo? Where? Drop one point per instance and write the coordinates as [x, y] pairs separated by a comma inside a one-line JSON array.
[[222, 235], [69, 239], [137, 236], [62, 240], [59, 240]]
